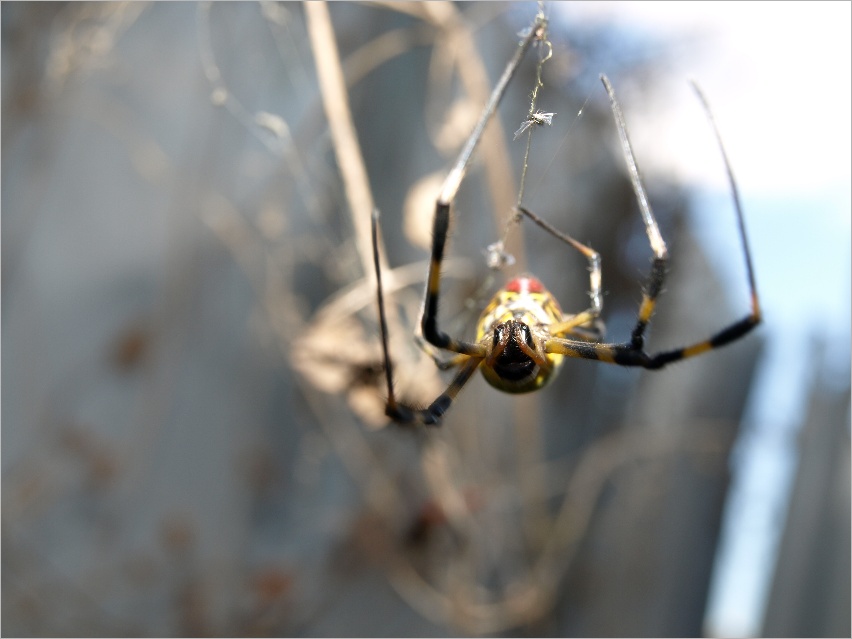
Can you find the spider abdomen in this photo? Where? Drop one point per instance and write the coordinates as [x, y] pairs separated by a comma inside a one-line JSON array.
[[517, 319]]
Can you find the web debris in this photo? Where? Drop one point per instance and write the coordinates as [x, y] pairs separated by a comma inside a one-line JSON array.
[[538, 118]]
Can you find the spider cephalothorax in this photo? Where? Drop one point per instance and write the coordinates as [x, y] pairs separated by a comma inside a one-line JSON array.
[[523, 335]]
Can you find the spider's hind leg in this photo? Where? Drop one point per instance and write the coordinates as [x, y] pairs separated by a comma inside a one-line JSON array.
[[429, 320], [402, 412]]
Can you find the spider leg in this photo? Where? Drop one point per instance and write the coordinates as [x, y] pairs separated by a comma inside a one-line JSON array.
[[431, 416], [737, 329], [440, 362], [436, 410], [396, 410], [628, 355], [632, 353], [469, 355], [755, 302], [593, 333], [429, 319], [658, 245], [577, 323]]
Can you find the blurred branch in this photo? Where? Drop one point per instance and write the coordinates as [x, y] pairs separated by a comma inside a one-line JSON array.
[[335, 100]]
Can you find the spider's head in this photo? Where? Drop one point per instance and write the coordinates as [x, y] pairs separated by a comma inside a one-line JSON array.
[[515, 361]]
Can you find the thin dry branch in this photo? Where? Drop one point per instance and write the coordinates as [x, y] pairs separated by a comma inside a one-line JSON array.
[[335, 100]]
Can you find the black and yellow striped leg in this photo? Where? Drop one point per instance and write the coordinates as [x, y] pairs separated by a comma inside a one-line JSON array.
[[399, 411], [628, 355], [727, 335], [429, 321], [402, 413], [632, 353], [431, 416], [742, 327], [469, 354], [658, 245]]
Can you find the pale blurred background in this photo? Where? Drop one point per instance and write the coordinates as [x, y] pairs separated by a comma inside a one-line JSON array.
[[191, 387]]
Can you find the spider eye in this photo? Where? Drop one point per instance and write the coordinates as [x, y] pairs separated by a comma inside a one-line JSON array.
[[526, 334], [499, 334]]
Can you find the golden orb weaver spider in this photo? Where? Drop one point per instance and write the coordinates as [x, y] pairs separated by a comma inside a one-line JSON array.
[[522, 335]]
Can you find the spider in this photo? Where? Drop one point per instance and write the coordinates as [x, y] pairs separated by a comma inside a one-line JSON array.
[[522, 335]]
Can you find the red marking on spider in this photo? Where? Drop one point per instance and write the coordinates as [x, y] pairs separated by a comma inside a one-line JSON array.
[[524, 284]]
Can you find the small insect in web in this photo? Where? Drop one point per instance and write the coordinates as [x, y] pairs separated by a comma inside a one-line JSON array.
[[534, 119], [523, 336]]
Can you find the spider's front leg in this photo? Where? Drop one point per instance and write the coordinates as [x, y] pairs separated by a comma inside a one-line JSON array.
[[633, 353], [429, 319], [658, 245], [475, 352], [441, 223]]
